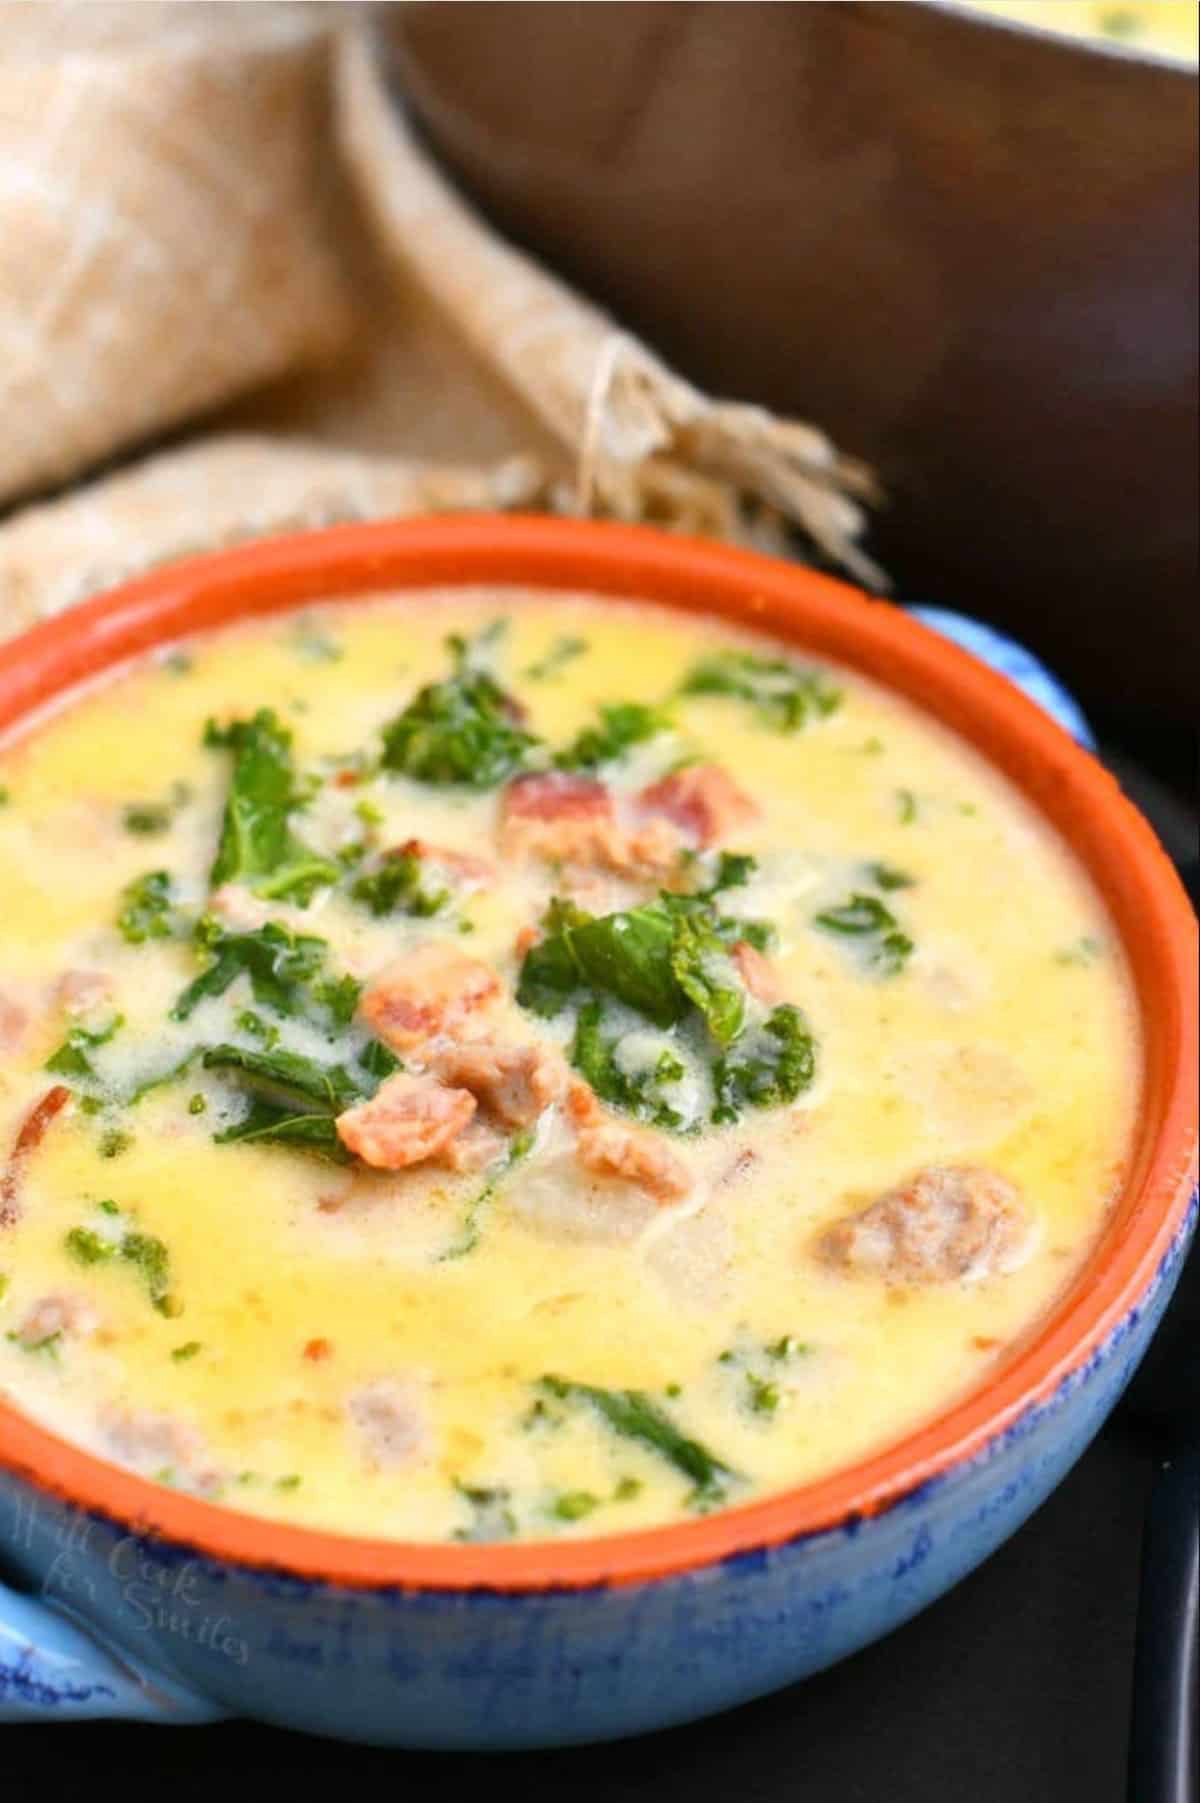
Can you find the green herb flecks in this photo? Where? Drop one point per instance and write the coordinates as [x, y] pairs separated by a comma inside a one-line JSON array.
[[574, 1505], [148, 910], [561, 653], [491, 1513], [783, 696], [888, 877], [633, 1415], [144, 1251], [257, 846], [1082, 951]]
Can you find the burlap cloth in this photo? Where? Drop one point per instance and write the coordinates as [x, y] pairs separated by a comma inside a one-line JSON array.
[[215, 224]]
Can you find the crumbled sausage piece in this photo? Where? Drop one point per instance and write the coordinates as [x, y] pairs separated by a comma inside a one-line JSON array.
[[703, 799], [756, 972], [408, 1119], [392, 1421], [948, 1222], [71, 1316], [14, 1023], [651, 851], [636, 1155], [161, 1442], [563, 818], [79, 991], [515, 1083], [434, 989]]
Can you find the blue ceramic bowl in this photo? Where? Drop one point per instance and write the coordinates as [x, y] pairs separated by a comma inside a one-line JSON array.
[[127, 1600]]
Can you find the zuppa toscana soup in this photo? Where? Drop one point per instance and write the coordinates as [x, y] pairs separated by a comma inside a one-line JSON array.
[[481, 1065]]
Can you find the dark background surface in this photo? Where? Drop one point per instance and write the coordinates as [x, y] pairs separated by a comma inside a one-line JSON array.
[[1014, 1688]]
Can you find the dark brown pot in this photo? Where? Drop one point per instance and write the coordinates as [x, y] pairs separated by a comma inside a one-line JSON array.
[[968, 251]]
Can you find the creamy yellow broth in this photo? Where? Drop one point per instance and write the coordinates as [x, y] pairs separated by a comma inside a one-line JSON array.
[[301, 1297], [1170, 27]]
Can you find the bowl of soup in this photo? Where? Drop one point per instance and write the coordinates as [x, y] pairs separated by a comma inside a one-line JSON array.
[[587, 1120]]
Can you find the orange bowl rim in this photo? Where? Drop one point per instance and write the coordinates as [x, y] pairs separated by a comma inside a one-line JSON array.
[[820, 615]]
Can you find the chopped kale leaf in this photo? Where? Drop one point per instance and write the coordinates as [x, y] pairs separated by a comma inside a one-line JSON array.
[[311, 1132], [396, 887], [72, 1057], [768, 1067], [645, 1094], [784, 696], [282, 967], [635, 1416], [257, 845], [623, 724], [463, 730], [865, 917]]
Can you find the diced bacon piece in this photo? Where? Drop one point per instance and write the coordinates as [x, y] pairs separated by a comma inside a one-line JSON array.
[[949, 1222], [476, 1147], [703, 799], [14, 1022], [467, 871], [636, 1155], [236, 905], [392, 1421], [407, 1120], [160, 1442], [79, 991], [516, 1083], [559, 816], [756, 972], [71, 1316], [29, 1137], [434, 989]]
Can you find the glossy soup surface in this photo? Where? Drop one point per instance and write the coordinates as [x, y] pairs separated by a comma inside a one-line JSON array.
[[609, 1321]]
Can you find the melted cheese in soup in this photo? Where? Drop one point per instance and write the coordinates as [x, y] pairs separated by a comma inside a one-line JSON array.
[[549, 1083]]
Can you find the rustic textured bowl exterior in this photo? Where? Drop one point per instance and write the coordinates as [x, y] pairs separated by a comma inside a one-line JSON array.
[[967, 250], [142, 1602]]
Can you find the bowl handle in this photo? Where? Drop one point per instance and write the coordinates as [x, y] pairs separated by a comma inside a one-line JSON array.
[[51, 1668], [1008, 658]]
